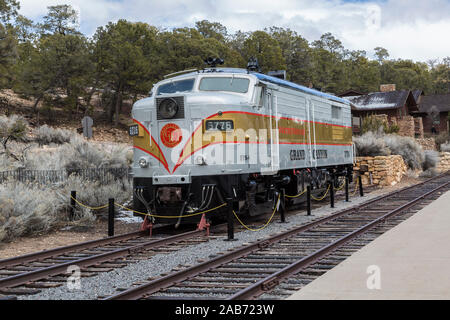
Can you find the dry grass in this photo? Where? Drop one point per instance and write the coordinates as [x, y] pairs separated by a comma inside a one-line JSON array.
[[371, 145], [47, 135], [408, 148], [29, 209]]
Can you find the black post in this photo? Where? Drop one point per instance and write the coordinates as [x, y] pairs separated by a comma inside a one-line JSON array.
[[346, 189], [282, 205], [361, 191], [230, 220], [111, 218], [308, 200], [332, 193], [73, 197]]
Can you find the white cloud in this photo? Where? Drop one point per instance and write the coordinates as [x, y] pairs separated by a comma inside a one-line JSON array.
[[408, 29]]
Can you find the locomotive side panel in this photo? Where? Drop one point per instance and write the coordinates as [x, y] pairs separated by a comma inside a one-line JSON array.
[[308, 134]]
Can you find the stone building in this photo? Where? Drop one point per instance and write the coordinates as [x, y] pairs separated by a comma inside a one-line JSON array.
[[398, 106]]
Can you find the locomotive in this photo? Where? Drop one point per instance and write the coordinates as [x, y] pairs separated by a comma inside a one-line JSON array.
[[203, 137]]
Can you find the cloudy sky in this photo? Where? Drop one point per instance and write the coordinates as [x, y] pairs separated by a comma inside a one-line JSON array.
[[409, 29]]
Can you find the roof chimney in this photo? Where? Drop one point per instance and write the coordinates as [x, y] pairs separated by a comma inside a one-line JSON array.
[[387, 87]]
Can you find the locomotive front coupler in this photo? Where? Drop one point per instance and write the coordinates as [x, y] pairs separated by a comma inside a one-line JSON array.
[[183, 208]]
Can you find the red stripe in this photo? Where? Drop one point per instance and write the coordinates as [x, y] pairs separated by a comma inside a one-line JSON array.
[[179, 162], [248, 142], [255, 114], [165, 164], [286, 118]]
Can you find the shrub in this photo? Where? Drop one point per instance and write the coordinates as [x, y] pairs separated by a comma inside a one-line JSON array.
[[372, 124], [84, 154], [408, 148], [431, 160], [392, 128], [371, 144], [378, 125], [78, 154], [445, 147], [442, 138], [13, 128], [95, 194], [28, 209], [428, 173], [47, 135]]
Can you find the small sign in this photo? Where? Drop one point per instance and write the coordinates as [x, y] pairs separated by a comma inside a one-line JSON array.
[[219, 125], [133, 130], [87, 123]]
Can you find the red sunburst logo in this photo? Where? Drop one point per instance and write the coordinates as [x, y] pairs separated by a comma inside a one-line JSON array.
[[171, 135]]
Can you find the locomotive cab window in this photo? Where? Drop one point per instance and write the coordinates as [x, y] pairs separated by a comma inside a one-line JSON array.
[[258, 96], [336, 112], [176, 86], [231, 84]]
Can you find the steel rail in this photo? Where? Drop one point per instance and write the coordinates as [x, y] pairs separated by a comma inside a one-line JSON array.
[[43, 273], [51, 253], [274, 279], [10, 262], [171, 279]]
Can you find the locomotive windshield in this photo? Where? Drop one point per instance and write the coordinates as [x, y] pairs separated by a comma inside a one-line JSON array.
[[176, 86], [232, 84]]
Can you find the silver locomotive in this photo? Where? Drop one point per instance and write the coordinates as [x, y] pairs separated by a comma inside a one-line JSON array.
[[209, 135]]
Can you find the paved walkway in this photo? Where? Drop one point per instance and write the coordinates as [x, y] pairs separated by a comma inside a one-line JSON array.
[[411, 261]]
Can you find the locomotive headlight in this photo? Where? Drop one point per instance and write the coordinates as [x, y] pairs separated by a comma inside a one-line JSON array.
[[143, 162], [168, 108]]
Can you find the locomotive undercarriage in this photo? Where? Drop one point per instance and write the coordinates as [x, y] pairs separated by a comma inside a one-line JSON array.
[[252, 194]]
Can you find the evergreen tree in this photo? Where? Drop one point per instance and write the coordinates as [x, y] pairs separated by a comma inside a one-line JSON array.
[[124, 52], [60, 19], [56, 67], [8, 55], [266, 49]]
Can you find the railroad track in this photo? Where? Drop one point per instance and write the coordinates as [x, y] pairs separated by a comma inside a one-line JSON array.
[[30, 273], [278, 266]]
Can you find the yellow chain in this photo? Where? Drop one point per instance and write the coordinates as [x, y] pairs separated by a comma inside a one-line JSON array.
[[146, 214], [91, 208], [264, 226], [323, 195], [337, 189], [171, 217], [296, 195], [340, 188], [209, 210]]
